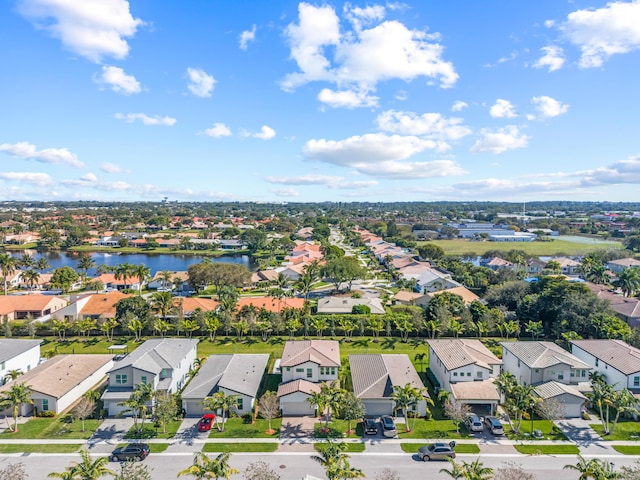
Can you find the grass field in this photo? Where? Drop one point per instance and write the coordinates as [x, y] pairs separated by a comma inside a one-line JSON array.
[[624, 430], [547, 449], [39, 448], [554, 247], [240, 447], [53, 428], [627, 449]]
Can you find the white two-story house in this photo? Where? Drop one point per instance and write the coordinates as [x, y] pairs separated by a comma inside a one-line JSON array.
[[305, 364], [466, 368], [618, 361], [16, 355], [163, 363]]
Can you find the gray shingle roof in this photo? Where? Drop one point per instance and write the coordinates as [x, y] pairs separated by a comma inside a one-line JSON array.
[[459, 352], [10, 347], [375, 375], [542, 354], [241, 373], [156, 354], [553, 389], [620, 355]]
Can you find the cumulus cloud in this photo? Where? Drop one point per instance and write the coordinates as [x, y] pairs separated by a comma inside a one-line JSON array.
[[265, 133], [246, 37], [108, 167], [549, 107], [430, 125], [56, 156], [347, 98], [459, 106], [621, 172], [603, 32], [218, 130], [146, 119], [91, 28], [503, 109], [363, 56], [508, 138], [553, 58], [118, 81], [200, 82], [33, 178], [325, 180]]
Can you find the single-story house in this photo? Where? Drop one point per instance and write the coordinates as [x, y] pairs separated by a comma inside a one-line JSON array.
[[20, 307], [346, 304], [568, 395], [411, 298], [94, 306], [239, 374]]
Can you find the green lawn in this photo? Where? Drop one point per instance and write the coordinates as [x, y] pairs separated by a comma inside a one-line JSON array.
[[39, 448], [150, 431], [431, 428], [350, 447], [460, 448], [548, 429], [627, 449], [554, 247], [54, 428], [625, 430], [240, 447], [547, 449], [338, 429], [236, 428]]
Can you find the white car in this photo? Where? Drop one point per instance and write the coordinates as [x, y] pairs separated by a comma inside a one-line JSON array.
[[473, 423]]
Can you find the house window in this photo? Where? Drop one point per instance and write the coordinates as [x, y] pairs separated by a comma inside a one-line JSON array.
[[239, 404], [143, 379], [573, 374], [560, 375], [299, 370], [45, 404], [596, 362], [309, 373], [455, 374], [288, 369], [333, 371], [537, 370], [636, 381], [583, 373], [321, 370], [121, 379], [479, 374], [2, 366], [468, 374], [165, 373]]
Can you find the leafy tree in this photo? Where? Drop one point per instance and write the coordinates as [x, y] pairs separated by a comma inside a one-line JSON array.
[[166, 406], [457, 412], [387, 474], [254, 238], [63, 278], [132, 306], [343, 269], [512, 471], [218, 274], [351, 408], [431, 251], [13, 398]]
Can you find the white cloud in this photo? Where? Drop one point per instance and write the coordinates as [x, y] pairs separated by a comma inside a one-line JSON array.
[[430, 125], [218, 130], [603, 32], [265, 133], [246, 37], [361, 57], [508, 138], [503, 109], [89, 177], [549, 107], [359, 16], [108, 167], [458, 106], [33, 178], [326, 180], [56, 156], [146, 119], [200, 82], [285, 192], [118, 81], [91, 28], [347, 98], [621, 172], [553, 58], [401, 95]]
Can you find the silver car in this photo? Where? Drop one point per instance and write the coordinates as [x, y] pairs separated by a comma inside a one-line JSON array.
[[437, 451], [388, 427], [494, 425], [473, 423]]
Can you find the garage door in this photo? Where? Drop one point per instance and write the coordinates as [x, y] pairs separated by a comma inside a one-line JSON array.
[[194, 408], [297, 409], [114, 409], [375, 409]]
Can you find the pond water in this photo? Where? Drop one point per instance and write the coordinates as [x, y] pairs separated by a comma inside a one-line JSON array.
[[155, 263]]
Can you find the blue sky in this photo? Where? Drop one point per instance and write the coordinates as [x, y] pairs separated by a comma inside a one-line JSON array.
[[254, 100]]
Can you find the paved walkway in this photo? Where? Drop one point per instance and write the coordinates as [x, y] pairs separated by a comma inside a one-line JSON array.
[[579, 432]]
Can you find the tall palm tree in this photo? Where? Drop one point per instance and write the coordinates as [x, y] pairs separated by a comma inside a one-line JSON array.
[[594, 468], [30, 277], [16, 396], [205, 467], [7, 267], [405, 397], [332, 458], [166, 276], [162, 302], [88, 469], [333, 395], [85, 263], [25, 261], [138, 404], [220, 402], [124, 272], [143, 273], [42, 264], [628, 281]]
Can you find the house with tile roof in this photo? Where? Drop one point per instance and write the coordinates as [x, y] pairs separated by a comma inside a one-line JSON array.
[[237, 374], [94, 306], [272, 304], [467, 295], [176, 277], [411, 298], [617, 266], [375, 377], [570, 397], [110, 282], [162, 362], [58, 383], [568, 266], [17, 354], [304, 365], [35, 306], [626, 308], [618, 361], [346, 304]]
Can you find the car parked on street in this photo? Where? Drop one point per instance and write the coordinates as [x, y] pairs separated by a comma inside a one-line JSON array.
[[205, 423], [133, 451], [494, 425], [473, 423], [388, 426], [437, 451], [370, 426]]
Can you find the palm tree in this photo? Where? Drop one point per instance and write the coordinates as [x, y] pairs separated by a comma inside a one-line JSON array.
[[162, 302], [14, 398], [143, 273], [304, 284], [332, 458], [405, 397], [219, 402], [13, 374], [333, 395], [166, 276], [7, 267], [137, 404], [628, 281], [623, 402], [67, 474], [88, 469], [468, 471], [85, 263], [124, 271], [317, 400], [594, 468], [42, 264], [205, 467], [30, 277], [456, 470]]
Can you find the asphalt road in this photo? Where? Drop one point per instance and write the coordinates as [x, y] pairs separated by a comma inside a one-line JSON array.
[[295, 466]]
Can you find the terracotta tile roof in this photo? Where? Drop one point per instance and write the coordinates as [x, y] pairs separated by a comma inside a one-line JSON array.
[[190, 304], [376, 375], [620, 355], [26, 303], [467, 295], [485, 390], [102, 304], [106, 278], [270, 303], [325, 353], [459, 352], [299, 385], [404, 296]]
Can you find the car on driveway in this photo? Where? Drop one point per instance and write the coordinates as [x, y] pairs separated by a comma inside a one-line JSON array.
[[436, 451], [205, 423], [473, 423], [370, 426], [132, 451], [388, 427], [494, 425]]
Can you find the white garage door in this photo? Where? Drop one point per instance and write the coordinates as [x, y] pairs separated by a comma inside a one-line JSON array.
[[375, 409], [297, 409], [114, 409], [194, 408]]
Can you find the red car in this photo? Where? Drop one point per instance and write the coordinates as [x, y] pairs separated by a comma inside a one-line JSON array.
[[205, 423]]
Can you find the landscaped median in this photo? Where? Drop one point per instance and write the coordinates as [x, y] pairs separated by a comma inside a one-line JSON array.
[[547, 449]]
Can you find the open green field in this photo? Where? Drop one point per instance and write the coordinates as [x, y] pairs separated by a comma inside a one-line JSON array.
[[554, 247]]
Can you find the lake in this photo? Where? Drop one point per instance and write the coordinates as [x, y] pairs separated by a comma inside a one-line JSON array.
[[155, 263]]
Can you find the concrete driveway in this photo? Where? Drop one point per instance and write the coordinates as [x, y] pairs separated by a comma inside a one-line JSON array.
[[183, 441], [296, 434], [110, 433], [586, 438]]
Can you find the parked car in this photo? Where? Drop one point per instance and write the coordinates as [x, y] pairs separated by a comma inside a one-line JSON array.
[[133, 451], [205, 423], [388, 427], [437, 451], [473, 423], [494, 425], [370, 426]]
